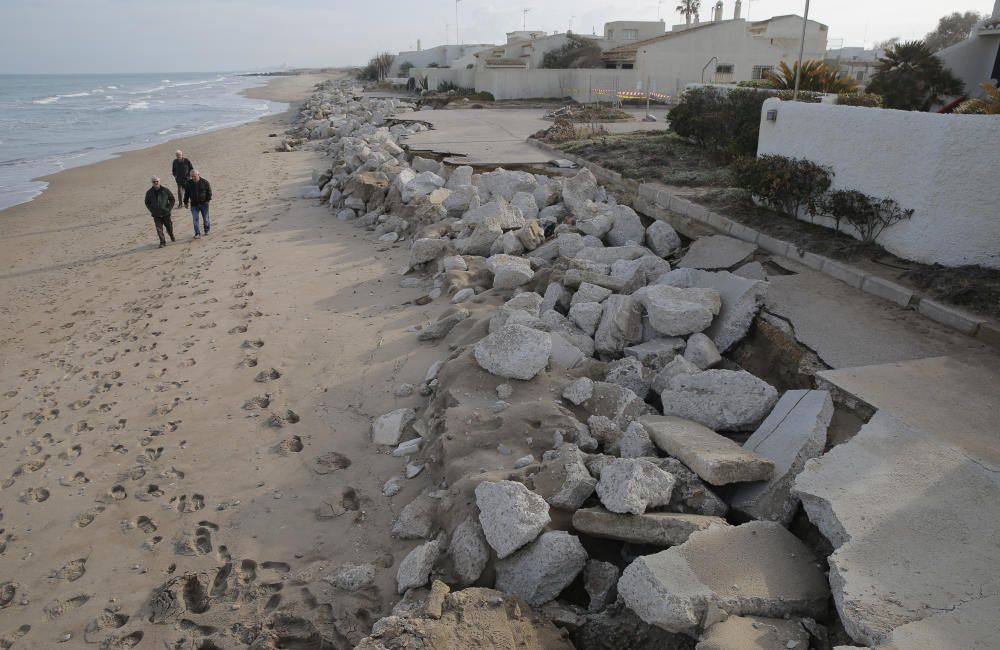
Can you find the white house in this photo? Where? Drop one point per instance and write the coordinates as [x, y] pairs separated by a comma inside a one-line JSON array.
[[721, 51], [977, 59], [855, 63], [527, 50], [623, 32], [442, 56]]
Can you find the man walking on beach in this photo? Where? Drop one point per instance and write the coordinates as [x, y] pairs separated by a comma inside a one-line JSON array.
[[159, 202], [199, 193], [182, 172]]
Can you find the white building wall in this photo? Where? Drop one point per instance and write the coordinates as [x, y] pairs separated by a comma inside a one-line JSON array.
[[672, 63], [442, 55], [972, 61], [614, 32], [937, 165], [785, 33], [583, 85]]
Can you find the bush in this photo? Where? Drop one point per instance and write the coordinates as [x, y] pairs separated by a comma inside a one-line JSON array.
[[869, 215], [784, 184], [870, 100], [728, 122], [805, 96]]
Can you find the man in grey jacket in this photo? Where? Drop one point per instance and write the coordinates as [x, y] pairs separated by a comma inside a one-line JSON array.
[[159, 202]]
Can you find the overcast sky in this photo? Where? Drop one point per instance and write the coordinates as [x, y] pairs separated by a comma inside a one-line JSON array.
[[216, 35]]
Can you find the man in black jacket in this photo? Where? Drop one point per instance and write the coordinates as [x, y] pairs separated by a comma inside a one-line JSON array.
[[159, 202], [199, 194], [182, 172]]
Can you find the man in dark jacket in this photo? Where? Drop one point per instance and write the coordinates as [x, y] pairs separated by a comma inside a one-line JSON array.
[[199, 194], [182, 172], [159, 202]]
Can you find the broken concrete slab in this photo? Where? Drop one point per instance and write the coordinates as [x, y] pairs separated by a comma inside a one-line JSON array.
[[539, 572], [662, 239], [564, 481], [621, 325], [654, 528], [792, 434], [757, 569], [973, 624], [600, 580], [631, 485], [722, 400], [509, 271], [716, 459], [656, 353], [912, 517], [701, 351], [511, 515], [675, 311], [588, 292], [469, 550], [717, 252], [579, 391], [755, 633], [388, 429], [415, 569]]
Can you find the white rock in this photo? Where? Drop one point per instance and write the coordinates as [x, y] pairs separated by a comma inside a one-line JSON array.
[[579, 391], [701, 352], [631, 485], [388, 429], [415, 569], [662, 239], [541, 571], [515, 352], [511, 515], [469, 550], [722, 400], [587, 316]]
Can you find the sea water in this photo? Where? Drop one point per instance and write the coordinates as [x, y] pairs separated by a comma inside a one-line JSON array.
[[52, 122]]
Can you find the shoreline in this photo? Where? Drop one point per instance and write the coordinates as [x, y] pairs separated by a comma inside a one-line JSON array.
[[272, 91]]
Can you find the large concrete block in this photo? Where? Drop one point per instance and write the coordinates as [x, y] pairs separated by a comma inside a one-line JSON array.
[[716, 459], [913, 519], [717, 252], [757, 569], [654, 528], [793, 433], [723, 400]]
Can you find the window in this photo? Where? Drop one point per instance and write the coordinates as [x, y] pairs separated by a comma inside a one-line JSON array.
[[724, 68], [760, 71], [630, 34], [861, 76]]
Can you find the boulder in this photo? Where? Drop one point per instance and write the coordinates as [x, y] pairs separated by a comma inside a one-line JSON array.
[[629, 373], [480, 242], [526, 203], [460, 177], [653, 528], [657, 353], [428, 249], [579, 190], [757, 569], [463, 199], [631, 485], [388, 429], [351, 577], [596, 219], [579, 391], [716, 459], [565, 353], [515, 352], [556, 295], [723, 400], [793, 433], [620, 327], [417, 519], [741, 300], [531, 236], [506, 184], [415, 569], [717, 252], [590, 293], [691, 495], [564, 480], [638, 273], [469, 551], [662, 239], [617, 403], [577, 278], [421, 185], [425, 165], [611, 254], [511, 515], [540, 572], [586, 316], [676, 367], [503, 213], [679, 312], [701, 352], [443, 326], [509, 271], [635, 443], [570, 243], [627, 228], [600, 580]]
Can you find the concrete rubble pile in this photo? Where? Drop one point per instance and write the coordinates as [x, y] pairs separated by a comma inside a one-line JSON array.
[[581, 431]]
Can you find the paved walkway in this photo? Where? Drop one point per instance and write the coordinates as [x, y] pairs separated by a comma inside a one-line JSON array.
[[495, 136]]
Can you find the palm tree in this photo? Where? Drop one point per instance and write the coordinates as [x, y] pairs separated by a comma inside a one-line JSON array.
[[816, 77], [911, 78], [688, 8]]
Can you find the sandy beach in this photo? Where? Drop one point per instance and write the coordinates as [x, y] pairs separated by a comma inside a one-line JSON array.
[[195, 420]]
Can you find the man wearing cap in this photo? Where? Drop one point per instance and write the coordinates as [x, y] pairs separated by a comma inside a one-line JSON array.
[[182, 172], [159, 202]]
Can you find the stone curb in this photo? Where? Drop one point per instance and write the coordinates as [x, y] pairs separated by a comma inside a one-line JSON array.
[[665, 205]]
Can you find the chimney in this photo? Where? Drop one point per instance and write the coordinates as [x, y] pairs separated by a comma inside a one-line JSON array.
[[718, 11], [996, 9], [739, 10]]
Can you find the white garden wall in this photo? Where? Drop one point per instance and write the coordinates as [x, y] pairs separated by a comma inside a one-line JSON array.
[[945, 167], [583, 85]]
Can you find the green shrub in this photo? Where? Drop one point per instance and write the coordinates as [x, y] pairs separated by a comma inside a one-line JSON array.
[[784, 184], [869, 216], [578, 52], [728, 122], [805, 96], [755, 83], [697, 113], [870, 100]]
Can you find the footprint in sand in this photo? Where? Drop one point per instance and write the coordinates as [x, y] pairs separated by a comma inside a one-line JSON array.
[[257, 343], [71, 571], [71, 453], [78, 479], [84, 519], [249, 361], [331, 462], [36, 495], [106, 620], [149, 493], [8, 640], [279, 420], [60, 607], [124, 642], [267, 375], [184, 504], [239, 329], [291, 445], [198, 543]]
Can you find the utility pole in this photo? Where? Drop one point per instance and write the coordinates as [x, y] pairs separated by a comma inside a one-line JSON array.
[[802, 50], [458, 40], [524, 24], [571, 19]]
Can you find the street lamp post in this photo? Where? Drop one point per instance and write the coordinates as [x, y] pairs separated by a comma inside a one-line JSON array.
[[802, 50]]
